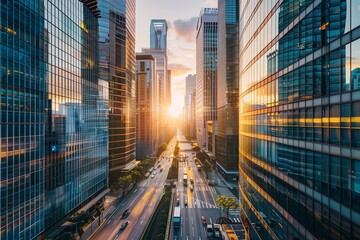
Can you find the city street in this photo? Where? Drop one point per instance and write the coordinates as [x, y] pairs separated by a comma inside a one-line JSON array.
[[141, 203], [201, 201]]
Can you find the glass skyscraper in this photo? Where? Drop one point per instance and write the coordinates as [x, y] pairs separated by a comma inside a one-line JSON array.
[[227, 139], [53, 114], [118, 67], [299, 144], [206, 72]]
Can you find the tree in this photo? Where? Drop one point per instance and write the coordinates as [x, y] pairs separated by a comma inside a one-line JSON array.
[[136, 176], [124, 182], [140, 169], [82, 217], [227, 202], [196, 148], [147, 164]]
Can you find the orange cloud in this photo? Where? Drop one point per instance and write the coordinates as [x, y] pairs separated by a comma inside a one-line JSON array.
[[179, 69]]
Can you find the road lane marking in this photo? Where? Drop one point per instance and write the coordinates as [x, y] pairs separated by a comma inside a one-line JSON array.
[[193, 231]]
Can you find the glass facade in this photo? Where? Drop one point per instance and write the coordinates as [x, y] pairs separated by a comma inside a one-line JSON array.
[[53, 114], [146, 125], [299, 121], [206, 72], [227, 138], [118, 68]]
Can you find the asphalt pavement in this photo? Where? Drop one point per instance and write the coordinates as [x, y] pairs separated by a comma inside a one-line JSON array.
[[141, 202]]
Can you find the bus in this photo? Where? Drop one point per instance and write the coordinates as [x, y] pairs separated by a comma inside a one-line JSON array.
[[176, 217], [185, 178]]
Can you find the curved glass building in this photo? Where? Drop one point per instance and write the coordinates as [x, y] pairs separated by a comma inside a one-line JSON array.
[[299, 136]]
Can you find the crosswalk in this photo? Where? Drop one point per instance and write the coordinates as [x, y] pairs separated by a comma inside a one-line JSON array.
[[152, 184], [235, 220], [203, 189], [233, 212]]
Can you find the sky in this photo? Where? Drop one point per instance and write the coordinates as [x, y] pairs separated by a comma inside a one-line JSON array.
[[181, 17]]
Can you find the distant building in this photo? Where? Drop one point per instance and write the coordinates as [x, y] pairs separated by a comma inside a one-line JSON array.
[[206, 72], [118, 67], [227, 137], [190, 107], [146, 113], [158, 34]]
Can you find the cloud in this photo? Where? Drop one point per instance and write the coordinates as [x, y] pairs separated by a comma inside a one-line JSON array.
[[185, 29], [211, 3], [179, 69]]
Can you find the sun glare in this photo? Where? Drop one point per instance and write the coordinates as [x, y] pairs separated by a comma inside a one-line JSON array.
[[174, 111]]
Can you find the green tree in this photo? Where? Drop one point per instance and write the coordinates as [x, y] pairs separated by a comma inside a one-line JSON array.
[[140, 169], [81, 217], [226, 202], [147, 164], [123, 183], [136, 176], [196, 148]]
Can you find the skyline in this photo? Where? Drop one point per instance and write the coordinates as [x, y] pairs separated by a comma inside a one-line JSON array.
[[181, 38]]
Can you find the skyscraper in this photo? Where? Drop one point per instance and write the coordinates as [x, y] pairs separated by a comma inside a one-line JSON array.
[[299, 144], [190, 106], [146, 112], [158, 48], [227, 139], [206, 72], [53, 114], [118, 67], [158, 34]]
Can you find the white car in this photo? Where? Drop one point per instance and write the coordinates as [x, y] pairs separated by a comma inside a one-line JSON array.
[[152, 175]]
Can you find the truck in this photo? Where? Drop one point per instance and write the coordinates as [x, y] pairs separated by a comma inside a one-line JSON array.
[[176, 217]]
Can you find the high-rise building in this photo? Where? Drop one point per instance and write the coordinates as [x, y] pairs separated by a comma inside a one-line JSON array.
[[206, 72], [53, 135], [118, 67], [227, 138], [146, 113], [299, 137], [190, 107], [158, 34]]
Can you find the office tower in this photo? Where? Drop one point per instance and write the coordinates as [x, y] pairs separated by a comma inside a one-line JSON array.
[[53, 114], [227, 139], [206, 72], [190, 106], [299, 144], [146, 112], [158, 34], [118, 67]]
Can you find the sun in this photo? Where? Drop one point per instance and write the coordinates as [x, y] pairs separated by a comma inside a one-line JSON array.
[[174, 111]]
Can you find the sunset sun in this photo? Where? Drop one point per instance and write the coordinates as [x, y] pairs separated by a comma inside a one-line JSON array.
[[175, 111]]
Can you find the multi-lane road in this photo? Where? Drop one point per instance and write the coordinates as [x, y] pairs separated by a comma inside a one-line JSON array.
[[141, 203], [200, 201]]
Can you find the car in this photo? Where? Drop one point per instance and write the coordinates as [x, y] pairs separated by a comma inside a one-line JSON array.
[[217, 230], [152, 175], [203, 220], [125, 214], [191, 187], [161, 169], [186, 203], [154, 172], [209, 230], [124, 225], [178, 202], [191, 180]]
